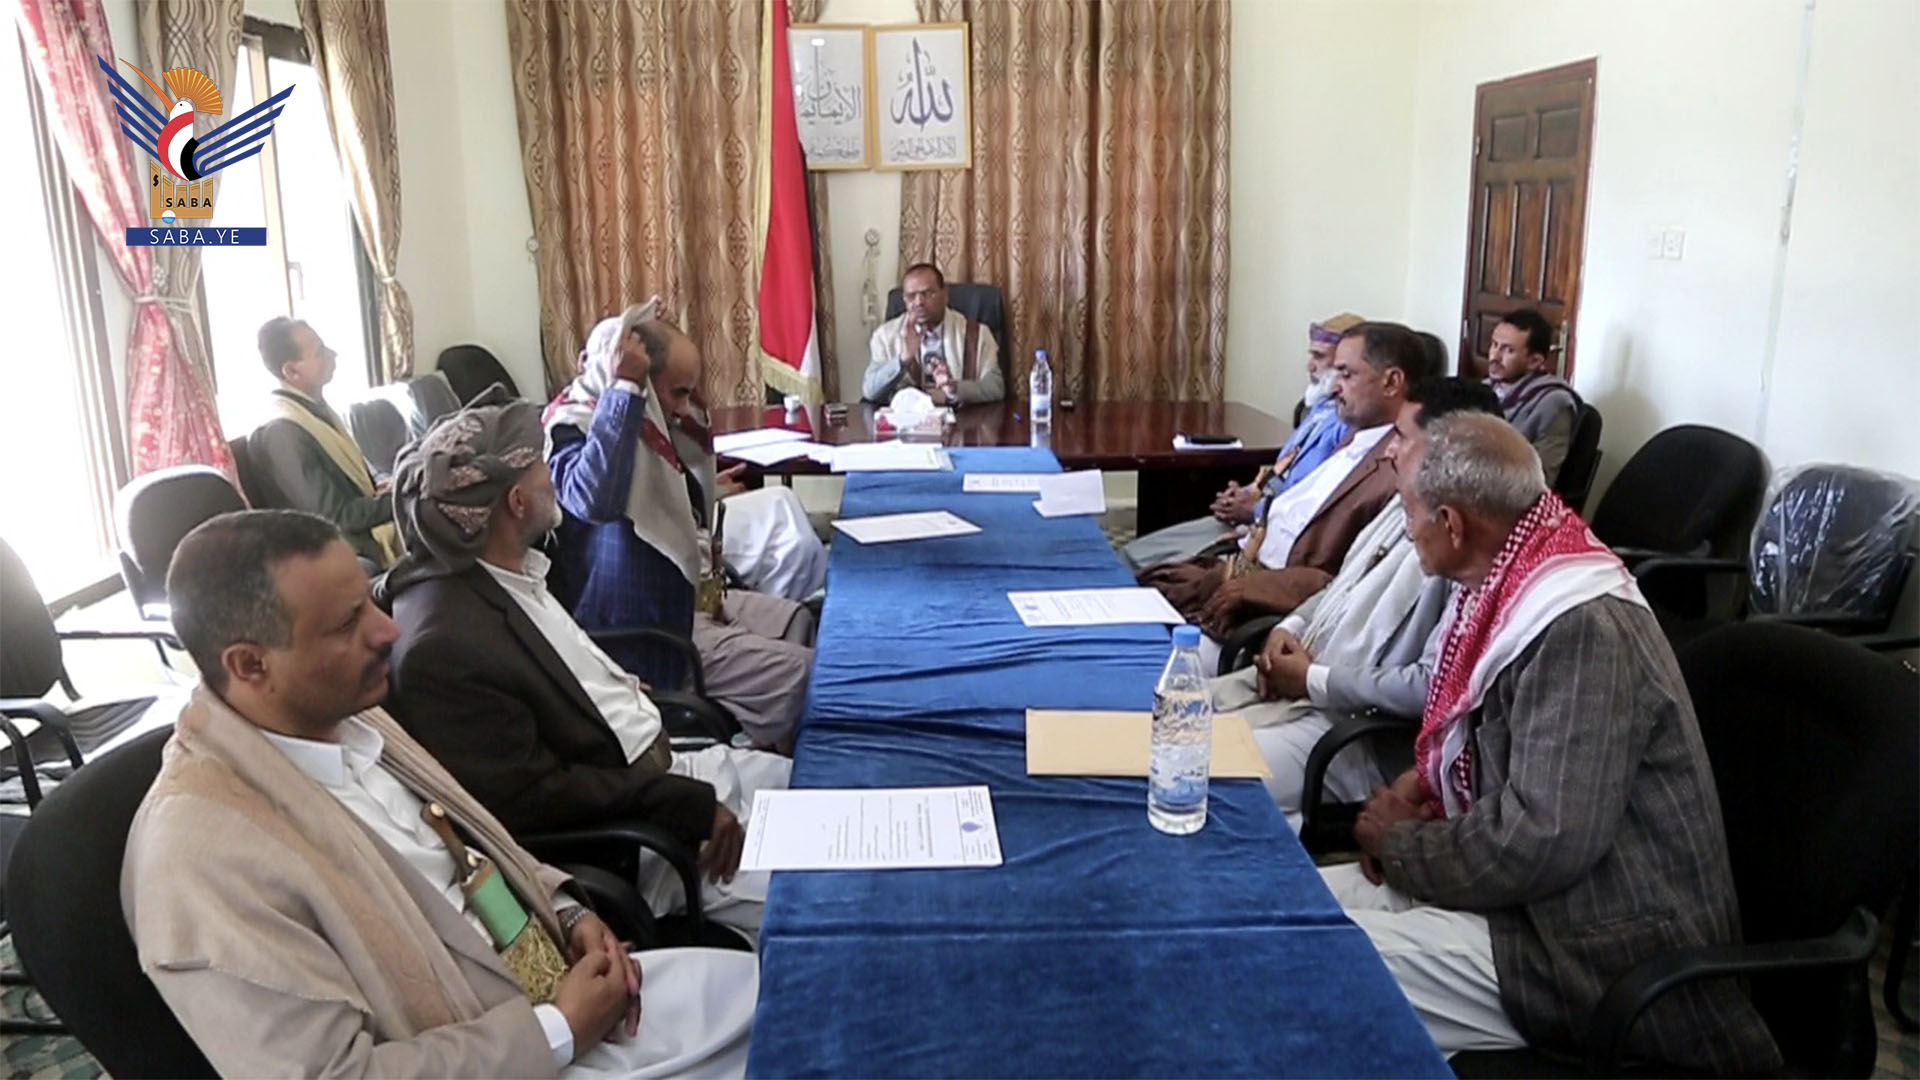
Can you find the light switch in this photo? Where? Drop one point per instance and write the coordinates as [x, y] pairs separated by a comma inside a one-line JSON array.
[[1656, 243], [1673, 244]]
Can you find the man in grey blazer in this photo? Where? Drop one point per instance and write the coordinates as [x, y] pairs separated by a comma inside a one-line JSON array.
[[1560, 824], [1360, 643]]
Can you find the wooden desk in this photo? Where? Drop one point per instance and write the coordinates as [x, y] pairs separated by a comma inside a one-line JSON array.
[[1175, 485]]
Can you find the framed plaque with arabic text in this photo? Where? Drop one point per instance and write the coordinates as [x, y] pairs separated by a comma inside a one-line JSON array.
[[831, 94], [922, 97]]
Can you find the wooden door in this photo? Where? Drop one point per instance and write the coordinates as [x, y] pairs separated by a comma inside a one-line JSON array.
[[1532, 140]]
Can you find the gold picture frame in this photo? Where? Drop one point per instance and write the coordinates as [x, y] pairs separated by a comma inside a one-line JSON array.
[[832, 73], [911, 68]]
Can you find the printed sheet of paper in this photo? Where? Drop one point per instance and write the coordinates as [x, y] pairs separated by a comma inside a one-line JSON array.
[[890, 528], [1068, 494], [742, 440], [1075, 742], [1094, 607], [777, 452], [981, 483], [889, 457], [871, 829]]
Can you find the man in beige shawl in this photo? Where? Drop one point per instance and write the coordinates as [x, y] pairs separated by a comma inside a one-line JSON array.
[[312, 894], [307, 459]]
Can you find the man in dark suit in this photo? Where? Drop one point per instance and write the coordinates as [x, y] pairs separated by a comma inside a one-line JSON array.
[[307, 459], [1298, 545], [1560, 823], [495, 678]]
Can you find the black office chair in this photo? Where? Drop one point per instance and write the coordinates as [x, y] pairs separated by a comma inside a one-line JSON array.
[[379, 430], [1817, 767], [433, 398], [1691, 490], [63, 903], [1582, 462], [31, 665], [154, 513], [470, 369], [984, 304], [1833, 550], [254, 486]]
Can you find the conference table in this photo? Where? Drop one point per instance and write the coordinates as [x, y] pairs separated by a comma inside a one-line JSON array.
[[1100, 947], [1175, 485]]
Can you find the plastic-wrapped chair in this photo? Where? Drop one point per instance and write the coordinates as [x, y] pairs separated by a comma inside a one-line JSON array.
[[433, 398], [1833, 550], [379, 428]]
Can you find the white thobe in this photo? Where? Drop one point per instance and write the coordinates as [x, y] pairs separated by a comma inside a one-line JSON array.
[[1293, 509]]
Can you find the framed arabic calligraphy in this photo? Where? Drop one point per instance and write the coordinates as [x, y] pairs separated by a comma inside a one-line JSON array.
[[831, 92], [923, 97]]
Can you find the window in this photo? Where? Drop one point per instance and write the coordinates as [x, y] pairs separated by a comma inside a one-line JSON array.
[[60, 436], [313, 266]]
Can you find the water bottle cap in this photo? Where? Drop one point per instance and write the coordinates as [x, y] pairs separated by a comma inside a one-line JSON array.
[[1186, 637], [1040, 354]]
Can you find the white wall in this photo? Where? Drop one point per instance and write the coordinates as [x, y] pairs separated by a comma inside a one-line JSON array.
[[1322, 118], [1693, 126], [465, 221]]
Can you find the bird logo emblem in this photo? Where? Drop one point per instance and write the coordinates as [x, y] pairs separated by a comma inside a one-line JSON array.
[[167, 134]]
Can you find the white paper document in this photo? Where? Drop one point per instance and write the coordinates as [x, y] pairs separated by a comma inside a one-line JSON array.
[[888, 528], [982, 483], [1180, 443], [742, 440], [1094, 607], [1067, 494], [871, 829], [774, 453], [889, 457]]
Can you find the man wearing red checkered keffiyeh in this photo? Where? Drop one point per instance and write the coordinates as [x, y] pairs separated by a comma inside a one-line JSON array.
[[1560, 824]]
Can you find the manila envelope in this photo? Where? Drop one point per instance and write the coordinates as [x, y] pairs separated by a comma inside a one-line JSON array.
[[1073, 742]]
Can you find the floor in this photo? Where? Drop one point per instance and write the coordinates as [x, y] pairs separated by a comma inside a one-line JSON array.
[[45, 1057]]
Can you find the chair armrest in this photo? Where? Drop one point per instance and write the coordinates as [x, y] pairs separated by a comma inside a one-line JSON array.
[[1891, 641], [49, 716], [1344, 732], [1244, 641], [690, 716], [1643, 984], [606, 890], [22, 762], [161, 634], [1833, 622], [679, 644], [1655, 565], [553, 847]]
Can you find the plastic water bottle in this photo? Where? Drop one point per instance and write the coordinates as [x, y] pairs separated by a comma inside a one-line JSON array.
[[1182, 740], [1040, 389]]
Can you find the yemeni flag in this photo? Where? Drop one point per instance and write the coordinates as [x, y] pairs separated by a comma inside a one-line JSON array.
[[789, 335]]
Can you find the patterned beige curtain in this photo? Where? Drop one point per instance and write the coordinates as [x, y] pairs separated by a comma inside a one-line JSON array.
[[1098, 195], [202, 34], [638, 119], [348, 40]]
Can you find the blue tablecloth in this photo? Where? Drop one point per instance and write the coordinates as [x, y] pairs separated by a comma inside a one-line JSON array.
[[1101, 947]]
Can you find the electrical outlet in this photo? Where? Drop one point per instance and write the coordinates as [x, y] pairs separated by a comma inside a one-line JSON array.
[[1673, 244], [1656, 243]]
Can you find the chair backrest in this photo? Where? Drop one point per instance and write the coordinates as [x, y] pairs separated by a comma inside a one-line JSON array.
[[1834, 539], [984, 304], [1690, 490], [155, 512], [63, 904], [29, 649], [1812, 740], [379, 430], [1577, 469], [255, 487], [433, 398], [470, 369]]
